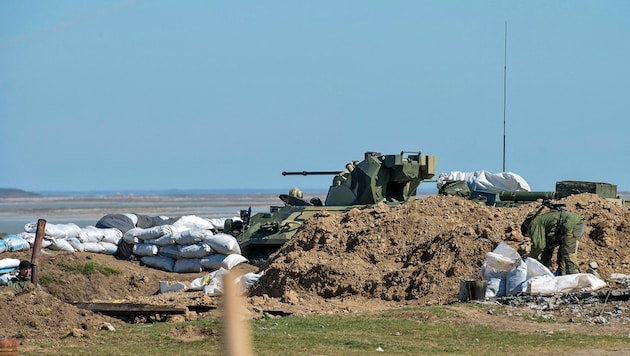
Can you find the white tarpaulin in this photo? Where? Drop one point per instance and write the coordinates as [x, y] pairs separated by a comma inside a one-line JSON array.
[[484, 181], [578, 282]]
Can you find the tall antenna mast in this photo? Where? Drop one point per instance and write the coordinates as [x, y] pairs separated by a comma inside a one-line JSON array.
[[504, 91]]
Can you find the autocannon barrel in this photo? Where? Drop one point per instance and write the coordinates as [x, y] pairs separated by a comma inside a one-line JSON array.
[[511, 195], [309, 173]]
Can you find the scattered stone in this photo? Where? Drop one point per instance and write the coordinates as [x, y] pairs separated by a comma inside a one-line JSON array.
[[108, 326]]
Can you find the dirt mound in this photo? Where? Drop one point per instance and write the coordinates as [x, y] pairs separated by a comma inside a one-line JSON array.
[[370, 258], [40, 315], [417, 253]]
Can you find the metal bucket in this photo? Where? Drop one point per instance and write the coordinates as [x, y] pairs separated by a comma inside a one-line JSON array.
[[472, 289]]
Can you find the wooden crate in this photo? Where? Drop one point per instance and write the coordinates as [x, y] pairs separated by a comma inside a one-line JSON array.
[[569, 187]]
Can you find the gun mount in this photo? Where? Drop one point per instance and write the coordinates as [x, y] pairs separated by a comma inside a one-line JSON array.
[[392, 179]]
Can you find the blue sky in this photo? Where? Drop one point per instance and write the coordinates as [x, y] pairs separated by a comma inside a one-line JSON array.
[[130, 95]]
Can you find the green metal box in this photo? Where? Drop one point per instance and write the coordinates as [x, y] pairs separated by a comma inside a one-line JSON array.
[[568, 187]]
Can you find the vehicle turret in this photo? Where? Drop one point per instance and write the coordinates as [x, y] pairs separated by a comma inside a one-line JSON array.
[[392, 179]]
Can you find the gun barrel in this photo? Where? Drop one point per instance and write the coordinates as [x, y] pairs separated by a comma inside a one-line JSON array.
[[309, 173], [511, 195]]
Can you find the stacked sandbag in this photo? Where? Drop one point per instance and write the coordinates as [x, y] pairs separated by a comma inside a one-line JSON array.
[[8, 264], [188, 244], [184, 251], [12, 243], [70, 237]]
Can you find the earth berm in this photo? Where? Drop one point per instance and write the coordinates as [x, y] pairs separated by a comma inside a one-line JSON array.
[[363, 262]]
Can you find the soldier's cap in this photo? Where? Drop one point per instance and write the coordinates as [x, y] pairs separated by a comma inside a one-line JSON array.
[[525, 225], [24, 264]]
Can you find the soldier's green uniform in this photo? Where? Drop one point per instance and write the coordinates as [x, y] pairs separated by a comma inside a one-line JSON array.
[[552, 229], [21, 281], [21, 284]]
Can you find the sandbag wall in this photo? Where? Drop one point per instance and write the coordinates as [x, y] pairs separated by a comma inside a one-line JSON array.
[[65, 237], [184, 244], [172, 249]]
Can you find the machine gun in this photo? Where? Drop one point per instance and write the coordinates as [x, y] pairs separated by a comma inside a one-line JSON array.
[[391, 178]]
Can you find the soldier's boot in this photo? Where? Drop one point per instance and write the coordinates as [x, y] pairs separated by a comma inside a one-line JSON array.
[[568, 256]]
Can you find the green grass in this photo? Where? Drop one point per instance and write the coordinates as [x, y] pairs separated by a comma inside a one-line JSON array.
[[396, 333], [44, 280], [89, 268]]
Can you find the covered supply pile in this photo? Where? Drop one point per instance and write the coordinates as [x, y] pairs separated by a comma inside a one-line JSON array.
[[507, 273]]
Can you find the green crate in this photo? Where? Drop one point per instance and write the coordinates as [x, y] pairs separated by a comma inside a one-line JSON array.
[[568, 187]]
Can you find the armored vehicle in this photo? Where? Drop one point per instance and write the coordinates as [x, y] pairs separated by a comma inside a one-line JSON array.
[[392, 179]]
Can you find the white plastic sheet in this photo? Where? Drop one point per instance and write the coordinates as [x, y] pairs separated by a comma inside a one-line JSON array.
[[578, 282], [484, 181]]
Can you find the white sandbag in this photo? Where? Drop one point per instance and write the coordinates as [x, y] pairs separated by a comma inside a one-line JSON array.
[[95, 234], [90, 234], [217, 261], [187, 265], [145, 249], [201, 282], [171, 251], [249, 279], [193, 222], [149, 233], [3, 246], [110, 248], [502, 259], [193, 236], [56, 230], [168, 239], [215, 285], [536, 269], [198, 250], [496, 282], [495, 288], [506, 250], [213, 261], [75, 243], [112, 235], [223, 243], [61, 245], [232, 260], [15, 243], [167, 287], [30, 238], [159, 262], [578, 282], [499, 263], [62, 230], [516, 279], [131, 239], [93, 247], [9, 263], [132, 217]]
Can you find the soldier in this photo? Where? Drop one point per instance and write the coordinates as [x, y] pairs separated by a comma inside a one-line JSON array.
[[20, 281], [556, 228]]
